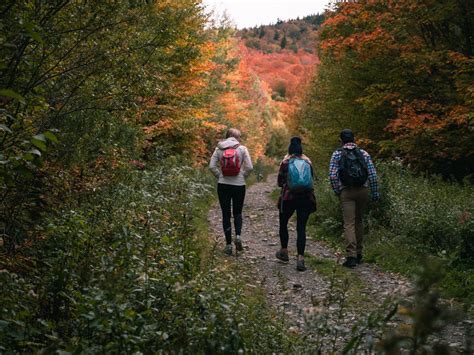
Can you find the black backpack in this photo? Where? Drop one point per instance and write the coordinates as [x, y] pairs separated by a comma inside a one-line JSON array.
[[353, 170]]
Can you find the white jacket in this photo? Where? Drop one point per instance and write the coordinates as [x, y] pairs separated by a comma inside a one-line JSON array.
[[245, 163]]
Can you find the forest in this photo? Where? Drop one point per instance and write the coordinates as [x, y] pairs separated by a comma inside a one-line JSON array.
[[109, 113]]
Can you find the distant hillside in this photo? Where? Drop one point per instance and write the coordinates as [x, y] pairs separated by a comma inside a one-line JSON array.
[[292, 35], [276, 63], [284, 72]]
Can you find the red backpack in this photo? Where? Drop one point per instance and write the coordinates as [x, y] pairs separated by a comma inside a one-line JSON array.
[[230, 162]]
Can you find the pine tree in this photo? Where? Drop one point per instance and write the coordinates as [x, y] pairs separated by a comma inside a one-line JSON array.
[[283, 42]]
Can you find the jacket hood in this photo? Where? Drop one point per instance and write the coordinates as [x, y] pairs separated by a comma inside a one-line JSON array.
[[227, 143]]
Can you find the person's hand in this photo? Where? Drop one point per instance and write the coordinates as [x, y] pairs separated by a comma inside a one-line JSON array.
[[375, 196]]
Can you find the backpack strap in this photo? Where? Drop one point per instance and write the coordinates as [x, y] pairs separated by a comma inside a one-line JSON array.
[[361, 156], [343, 151]]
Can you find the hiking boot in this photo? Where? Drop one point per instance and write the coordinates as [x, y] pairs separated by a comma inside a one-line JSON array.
[[359, 259], [300, 265], [350, 262], [282, 256], [238, 244], [228, 249]]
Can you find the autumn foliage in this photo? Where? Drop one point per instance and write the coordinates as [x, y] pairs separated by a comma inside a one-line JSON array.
[[400, 74], [268, 86]]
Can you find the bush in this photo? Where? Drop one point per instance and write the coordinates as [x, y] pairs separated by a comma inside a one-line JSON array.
[[427, 211], [253, 43], [415, 218], [280, 89], [277, 145], [128, 270]]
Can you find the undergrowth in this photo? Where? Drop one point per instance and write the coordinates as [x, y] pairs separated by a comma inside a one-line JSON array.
[[130, 269], [392, 325], [416, 218]]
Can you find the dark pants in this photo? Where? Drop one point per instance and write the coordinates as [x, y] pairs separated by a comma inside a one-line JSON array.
[[303, 210], [230, 195]]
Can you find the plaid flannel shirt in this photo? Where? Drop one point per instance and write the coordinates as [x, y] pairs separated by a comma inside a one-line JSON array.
[[334, 171]]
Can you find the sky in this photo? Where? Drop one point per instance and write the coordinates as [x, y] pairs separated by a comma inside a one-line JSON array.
[[250, 13]]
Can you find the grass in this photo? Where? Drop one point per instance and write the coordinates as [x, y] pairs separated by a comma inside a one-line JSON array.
[[335, 272], [275, 194]]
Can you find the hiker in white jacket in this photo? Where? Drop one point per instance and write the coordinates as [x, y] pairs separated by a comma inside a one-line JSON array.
[[231, 165]]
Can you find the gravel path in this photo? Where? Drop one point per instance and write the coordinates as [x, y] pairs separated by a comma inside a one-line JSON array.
[[326, 294]]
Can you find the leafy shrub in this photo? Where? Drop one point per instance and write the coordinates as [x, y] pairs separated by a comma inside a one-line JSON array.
[[261, 169], [277, 145], [253, 43], [126, 270], [280, 89], [94, 73], [328, 217], [427, 211], [416, 217], [293, 47]]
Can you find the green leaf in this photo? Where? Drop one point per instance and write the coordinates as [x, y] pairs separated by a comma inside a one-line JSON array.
[[51, 136], [35, 152], [39, 141], [36, 36], [30, 29], [350, 345], [130, 313], [5, 128], [12, 94], [30, 155], [40, 137], [391, 313]]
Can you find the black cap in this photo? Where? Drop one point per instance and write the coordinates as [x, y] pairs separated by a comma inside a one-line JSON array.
[[347, 136], [295, 146]]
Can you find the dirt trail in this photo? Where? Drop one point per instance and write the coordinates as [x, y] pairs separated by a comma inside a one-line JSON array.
[[303, 295]]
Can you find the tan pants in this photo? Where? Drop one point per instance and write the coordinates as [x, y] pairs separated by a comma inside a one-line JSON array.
[[353, 203]]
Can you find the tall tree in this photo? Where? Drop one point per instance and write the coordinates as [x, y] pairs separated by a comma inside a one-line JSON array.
[[398, 74]]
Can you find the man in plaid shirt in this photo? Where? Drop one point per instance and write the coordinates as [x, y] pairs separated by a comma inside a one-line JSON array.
[[353, 199]]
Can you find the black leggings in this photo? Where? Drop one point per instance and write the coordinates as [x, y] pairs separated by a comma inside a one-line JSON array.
[[302, 215], [231, 195]]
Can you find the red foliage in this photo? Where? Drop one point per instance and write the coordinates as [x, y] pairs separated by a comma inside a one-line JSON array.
[[292, 69]]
